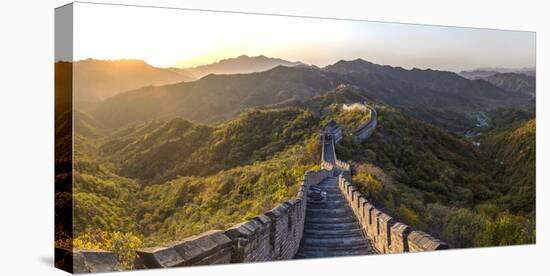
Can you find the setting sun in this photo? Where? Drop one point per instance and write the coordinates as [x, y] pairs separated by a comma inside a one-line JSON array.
[[186, 38], [188, 137]]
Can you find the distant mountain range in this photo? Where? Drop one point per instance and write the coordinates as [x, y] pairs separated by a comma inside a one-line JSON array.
[[100, 79], [434, 96], [239, 65], [514, 82], [521, 80], [144, 161], [430, 84], [213, 98], [483, 73]]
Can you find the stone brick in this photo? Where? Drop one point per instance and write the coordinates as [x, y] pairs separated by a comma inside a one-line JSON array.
[[276, 235], [350, 191], [86, 260], [375, 231], [194, 250], [222, 256], [355, 202], [385, 224], [250, 240], [369, 215], [420, 241], [159, 257], [399, 237], [360, 210], [355, 196], [198, 247]]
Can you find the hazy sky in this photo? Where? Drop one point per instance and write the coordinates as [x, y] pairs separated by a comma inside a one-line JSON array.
[[183, 38]]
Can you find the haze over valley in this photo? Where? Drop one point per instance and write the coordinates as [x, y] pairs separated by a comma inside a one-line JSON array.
[[195, 120], [225, 88], [261, 123]]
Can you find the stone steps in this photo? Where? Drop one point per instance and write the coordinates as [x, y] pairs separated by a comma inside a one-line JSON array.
[[347, 241], [332, 197], [330, 237], [327, 205], [333, 253], [328, 188], [321, 220], [331, 229], [325, 249], [325, 208], [329, 213], [331, 226], [333, 232]]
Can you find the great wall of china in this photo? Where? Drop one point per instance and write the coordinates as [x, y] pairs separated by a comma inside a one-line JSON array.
[[342, 223]]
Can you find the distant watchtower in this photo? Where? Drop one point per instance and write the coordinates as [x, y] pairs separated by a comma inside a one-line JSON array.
[[332, 129]]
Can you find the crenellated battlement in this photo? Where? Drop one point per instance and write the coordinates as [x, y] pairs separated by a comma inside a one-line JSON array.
[[274, 235], [387, 234], [364, 131], [86, 260], [278, 233]]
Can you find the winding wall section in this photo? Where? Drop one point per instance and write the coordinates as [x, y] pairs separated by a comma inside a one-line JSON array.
[[345, 224], [387, 234]]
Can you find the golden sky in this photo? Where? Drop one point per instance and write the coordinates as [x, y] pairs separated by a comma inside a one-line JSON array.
[[185, 38]]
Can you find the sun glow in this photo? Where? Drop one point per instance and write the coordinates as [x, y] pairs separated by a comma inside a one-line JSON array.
[[186, 38]]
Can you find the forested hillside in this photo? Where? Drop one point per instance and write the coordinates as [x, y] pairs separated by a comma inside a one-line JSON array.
[[510, 150], [213, 98], [190, 205], [166, 180], [442, 98], [147, 172], [159, 151], [442, 184]]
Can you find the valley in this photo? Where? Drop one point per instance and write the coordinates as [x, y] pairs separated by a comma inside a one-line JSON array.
[[161, 163], [442, 98]]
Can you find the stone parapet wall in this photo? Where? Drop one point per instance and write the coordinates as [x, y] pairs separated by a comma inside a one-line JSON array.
[[364, 131], [387, 235], [207, 248], [326, 166], [274, 235], [343, 169], [85, 260], [342, 165]]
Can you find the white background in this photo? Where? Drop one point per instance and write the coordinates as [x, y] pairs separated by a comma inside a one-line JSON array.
[[26, 145]]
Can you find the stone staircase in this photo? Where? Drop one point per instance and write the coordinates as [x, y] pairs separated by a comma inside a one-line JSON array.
[[331, 229]]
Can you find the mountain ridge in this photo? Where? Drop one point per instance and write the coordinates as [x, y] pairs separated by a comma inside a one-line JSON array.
[[482, 73], [215, 98], [100, 79], [242, 64], [515, 82]]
